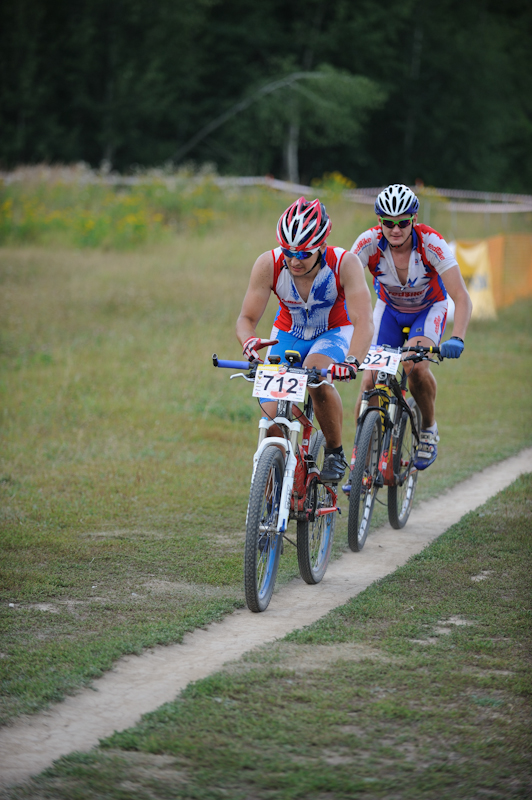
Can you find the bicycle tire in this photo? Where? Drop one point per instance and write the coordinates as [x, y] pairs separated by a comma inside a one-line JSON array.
[[401, 496], [263, 544], [363, 485], [314, 539]]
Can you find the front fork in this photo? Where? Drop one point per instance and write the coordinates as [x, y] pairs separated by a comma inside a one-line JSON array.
[[385, 473], [385, 467], [290, 447]]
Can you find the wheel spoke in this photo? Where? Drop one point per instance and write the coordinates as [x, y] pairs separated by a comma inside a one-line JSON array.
[[314, 539], [401, 495], [363, 480], [263, 543]]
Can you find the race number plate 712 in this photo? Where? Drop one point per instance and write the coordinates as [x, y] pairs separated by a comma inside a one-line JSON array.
[[276, 384]]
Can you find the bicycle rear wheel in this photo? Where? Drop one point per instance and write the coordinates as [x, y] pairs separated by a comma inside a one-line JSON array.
[[363, 484], [263, 543], [401, 496], [314, 539]]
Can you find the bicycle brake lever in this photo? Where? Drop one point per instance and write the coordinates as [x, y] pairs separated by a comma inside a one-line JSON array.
[[315, 385], [241, 375]]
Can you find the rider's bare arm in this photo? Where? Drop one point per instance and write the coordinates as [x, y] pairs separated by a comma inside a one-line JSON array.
[[454, 283], [256, 298], [358, 303]]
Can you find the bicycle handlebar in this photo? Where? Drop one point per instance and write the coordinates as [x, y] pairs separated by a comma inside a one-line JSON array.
[[219, 362], [421, 353], [420, 349], [224, 364]]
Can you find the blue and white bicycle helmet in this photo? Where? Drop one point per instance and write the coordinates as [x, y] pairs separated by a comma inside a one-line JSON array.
[[396, 199]]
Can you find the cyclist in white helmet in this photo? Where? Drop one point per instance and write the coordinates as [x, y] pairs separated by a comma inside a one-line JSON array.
[[324, 313], [413, 271]]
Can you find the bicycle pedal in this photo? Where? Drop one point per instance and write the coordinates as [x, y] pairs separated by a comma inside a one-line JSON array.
[[379, 481]]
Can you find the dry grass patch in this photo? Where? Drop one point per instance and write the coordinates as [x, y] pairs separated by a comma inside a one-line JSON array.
[[300, 658]]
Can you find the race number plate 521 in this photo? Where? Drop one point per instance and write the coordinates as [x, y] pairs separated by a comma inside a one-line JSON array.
[[382, 360], [279, 385]]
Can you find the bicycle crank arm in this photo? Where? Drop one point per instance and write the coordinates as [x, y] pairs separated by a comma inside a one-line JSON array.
[[310, 516], [379, 480], [399, 482]]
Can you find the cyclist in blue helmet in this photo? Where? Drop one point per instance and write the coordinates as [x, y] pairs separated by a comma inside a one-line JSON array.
[[414, 270]]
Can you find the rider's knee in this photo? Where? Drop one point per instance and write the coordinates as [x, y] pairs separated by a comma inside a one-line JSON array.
[[322, 394], [421, 376], [367, 380]]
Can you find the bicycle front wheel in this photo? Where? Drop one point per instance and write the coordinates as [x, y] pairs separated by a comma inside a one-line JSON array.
[[263, 543], [314, 539], [363, 480], [401, 496]]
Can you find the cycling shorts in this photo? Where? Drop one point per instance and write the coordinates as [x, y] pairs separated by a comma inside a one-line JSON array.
[[334, 343], [389, 323]]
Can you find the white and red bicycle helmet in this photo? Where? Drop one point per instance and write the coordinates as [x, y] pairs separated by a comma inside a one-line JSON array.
[[303, 226], [396, 199]]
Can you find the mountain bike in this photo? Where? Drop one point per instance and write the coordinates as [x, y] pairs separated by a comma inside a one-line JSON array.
[[386, 439], [285, 482]]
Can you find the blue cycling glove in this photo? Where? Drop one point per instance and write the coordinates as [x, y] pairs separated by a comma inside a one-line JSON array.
[[452, 348]]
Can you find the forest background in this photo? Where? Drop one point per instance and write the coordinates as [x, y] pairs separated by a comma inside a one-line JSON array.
[[399, 90]]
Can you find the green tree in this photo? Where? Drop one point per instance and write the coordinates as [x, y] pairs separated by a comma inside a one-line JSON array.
[[324, 107], [97, 80], [439, 91]]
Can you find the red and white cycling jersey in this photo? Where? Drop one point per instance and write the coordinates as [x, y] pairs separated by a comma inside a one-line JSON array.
[[431, 256], [325, 307]]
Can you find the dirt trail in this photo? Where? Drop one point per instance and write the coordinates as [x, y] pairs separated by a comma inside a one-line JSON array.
[[139, 684]]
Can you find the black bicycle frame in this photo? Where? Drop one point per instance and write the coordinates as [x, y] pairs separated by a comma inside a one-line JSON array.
[[396, 388]]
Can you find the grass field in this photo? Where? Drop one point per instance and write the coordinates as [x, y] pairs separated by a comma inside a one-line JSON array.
[[126, 457], [74, 206], [417, 689]]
